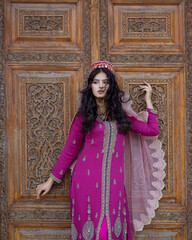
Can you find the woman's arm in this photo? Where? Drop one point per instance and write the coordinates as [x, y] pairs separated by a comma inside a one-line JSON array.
[[67, 156], [151, 128], [70, 151]]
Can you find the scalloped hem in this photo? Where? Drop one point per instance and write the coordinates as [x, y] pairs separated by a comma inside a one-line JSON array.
[[158, 184]]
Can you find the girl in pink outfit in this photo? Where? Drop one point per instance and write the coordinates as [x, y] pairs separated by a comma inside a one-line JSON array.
[[118, 175]]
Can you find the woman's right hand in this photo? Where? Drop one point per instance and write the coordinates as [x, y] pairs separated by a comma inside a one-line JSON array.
[[44, 187]]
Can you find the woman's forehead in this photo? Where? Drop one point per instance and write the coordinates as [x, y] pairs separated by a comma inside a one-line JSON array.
[[100, 76]]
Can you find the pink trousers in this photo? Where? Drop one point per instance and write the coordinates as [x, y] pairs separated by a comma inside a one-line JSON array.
[[103, 232]]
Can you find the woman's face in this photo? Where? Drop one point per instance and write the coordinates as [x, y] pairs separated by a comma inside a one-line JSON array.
[[100, 85]]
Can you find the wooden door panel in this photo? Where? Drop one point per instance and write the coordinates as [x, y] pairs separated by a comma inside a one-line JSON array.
[[48, 58], [147, 27], [45, 26], [165, 101], [144, 40], [43, 103]]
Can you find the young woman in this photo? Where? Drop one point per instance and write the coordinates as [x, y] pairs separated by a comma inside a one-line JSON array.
[[117, 177]]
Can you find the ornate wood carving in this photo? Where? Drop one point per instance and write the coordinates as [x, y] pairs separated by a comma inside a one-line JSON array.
[[43, 234], [44, 26], [39, 214], [43, 23], [44, 57], [188, 27], [149, 26], [45, 137], [146, 24], [146, 58], [3, 138]]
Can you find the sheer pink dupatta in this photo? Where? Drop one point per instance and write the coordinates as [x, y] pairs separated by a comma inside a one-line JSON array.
[[144, 173]]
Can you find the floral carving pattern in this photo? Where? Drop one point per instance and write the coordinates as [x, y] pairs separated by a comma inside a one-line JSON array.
[[146, 24], [43, 23], [45, 136]]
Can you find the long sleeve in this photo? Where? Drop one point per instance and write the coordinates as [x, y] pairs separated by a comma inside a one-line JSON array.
[[151, 128], [70, 151]]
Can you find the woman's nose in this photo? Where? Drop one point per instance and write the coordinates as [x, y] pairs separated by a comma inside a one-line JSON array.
[[101, 85]]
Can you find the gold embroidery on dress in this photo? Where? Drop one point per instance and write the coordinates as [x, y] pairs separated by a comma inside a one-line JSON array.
[[109, 141]]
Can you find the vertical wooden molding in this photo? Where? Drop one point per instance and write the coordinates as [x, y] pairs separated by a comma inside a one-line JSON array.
[[95, 33]]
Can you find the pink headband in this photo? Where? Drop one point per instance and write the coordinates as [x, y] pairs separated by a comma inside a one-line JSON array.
[[103, 64]]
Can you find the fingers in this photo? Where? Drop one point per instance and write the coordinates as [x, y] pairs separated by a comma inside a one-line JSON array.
[[146, 87], [45, 192], [39, 189]]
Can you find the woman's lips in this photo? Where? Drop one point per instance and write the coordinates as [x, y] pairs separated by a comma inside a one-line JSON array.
[[100, 91]]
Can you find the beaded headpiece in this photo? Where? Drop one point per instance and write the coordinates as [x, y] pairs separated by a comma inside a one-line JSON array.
[[103, 64]]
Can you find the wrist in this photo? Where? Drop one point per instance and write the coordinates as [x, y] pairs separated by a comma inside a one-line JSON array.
[[50, 180]]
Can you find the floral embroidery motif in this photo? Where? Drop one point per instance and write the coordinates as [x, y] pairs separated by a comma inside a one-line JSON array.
[[74, 141], [79, 217], [89, 209], [92, 141], [88, 172], [61, 173], [88, 230], [125, 230], [120, 194], [117, 155], [118, 227], [88, 199], [97, 155], [114, 182], [124, 211], [74, 233], [84, 159], [100, 125], [114, 211], [97, 184], [73, 201], [96, 215], [77, 185], [121, 170], [72, 212]]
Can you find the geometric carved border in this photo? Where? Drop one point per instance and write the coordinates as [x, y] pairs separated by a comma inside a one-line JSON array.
[[3, 138], [188, 27]]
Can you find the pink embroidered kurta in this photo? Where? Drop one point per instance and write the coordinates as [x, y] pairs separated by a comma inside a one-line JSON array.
[[97, 186]]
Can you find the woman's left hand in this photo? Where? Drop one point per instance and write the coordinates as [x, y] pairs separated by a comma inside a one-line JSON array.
[[148, 89]]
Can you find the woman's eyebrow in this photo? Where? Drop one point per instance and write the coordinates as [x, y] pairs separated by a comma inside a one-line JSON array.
[[100, 79]]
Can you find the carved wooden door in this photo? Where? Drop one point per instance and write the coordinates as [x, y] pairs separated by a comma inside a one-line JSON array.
[[48, 56], [50, 46]]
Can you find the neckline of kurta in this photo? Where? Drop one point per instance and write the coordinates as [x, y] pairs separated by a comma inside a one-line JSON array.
[[104, 121]]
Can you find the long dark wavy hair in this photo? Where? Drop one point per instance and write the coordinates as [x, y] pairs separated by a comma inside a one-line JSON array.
[[114, 99]]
